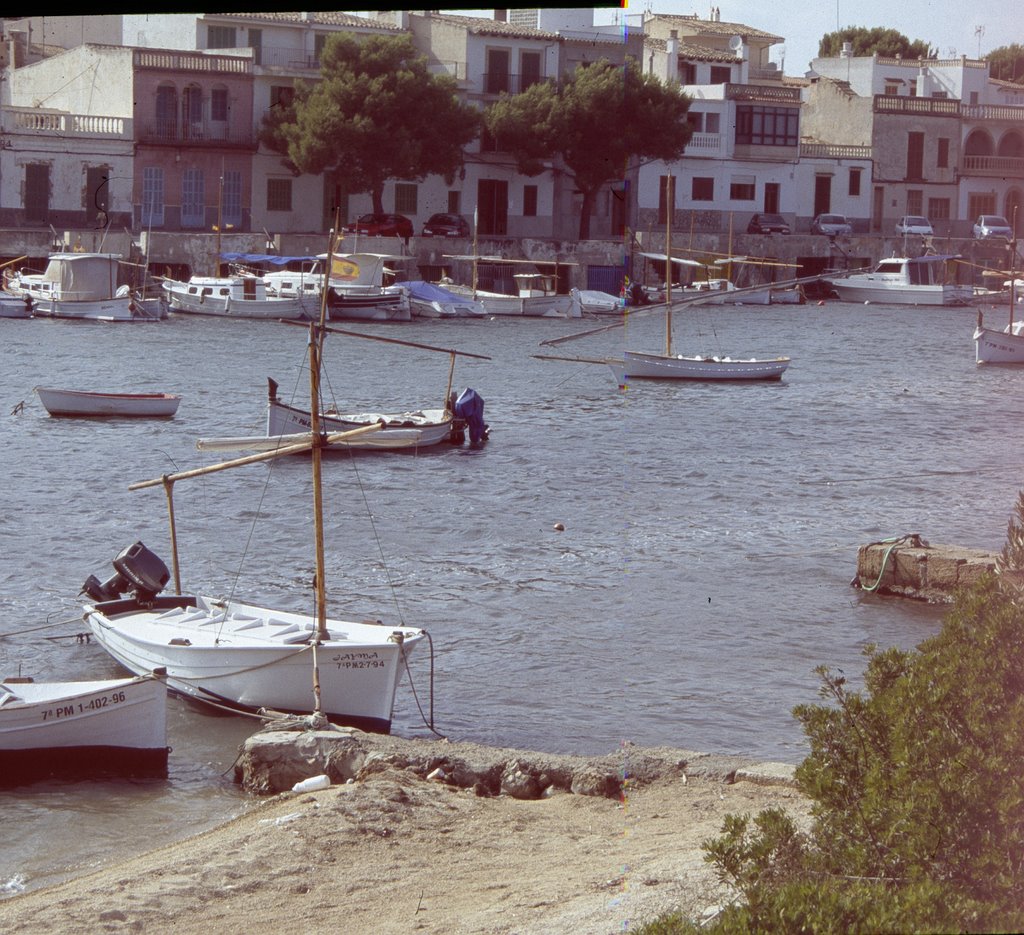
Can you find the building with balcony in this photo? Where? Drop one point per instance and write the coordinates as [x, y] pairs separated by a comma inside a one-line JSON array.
[[64, 170], [746, 154], [946, 139], [67, 141], [285, 48]]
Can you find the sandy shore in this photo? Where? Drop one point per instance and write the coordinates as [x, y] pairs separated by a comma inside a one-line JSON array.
[[394, 853]]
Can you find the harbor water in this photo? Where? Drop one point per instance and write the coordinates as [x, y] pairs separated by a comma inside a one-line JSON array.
[[703, 571]]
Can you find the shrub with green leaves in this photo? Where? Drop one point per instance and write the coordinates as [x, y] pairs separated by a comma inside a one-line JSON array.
[[917, 785]]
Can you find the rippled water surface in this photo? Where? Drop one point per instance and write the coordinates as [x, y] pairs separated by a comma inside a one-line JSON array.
[[711, 530]]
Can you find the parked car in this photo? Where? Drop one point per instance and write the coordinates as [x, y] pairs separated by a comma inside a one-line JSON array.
[[768, 224], [446, 225], [831, 225], [381, 225], [991, 226], [914, 224]]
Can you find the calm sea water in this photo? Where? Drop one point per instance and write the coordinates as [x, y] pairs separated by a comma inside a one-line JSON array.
[[704, 570]]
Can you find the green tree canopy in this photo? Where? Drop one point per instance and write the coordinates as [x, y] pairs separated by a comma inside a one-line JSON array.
[[1007, 62], [595, 121], [888, 43], [377, 114]]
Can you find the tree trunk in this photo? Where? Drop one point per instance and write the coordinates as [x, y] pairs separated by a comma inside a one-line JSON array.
[[378, 200]]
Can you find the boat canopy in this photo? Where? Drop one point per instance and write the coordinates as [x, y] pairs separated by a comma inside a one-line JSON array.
[[87, 277], [428, 292]]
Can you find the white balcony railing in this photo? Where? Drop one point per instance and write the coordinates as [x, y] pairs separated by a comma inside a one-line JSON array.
[[29, 120], [705, 144]]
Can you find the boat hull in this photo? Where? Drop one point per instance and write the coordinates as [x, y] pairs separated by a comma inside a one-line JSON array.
[[110, 727], [637, 365], [248, 657], [882, 293], [15, 306], [369, 306], [421, 429], [529, 306], [998, 347], [115, 309], [261, 309], [131, 405]]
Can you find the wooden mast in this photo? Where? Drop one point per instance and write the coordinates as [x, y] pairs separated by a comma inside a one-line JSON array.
[[1012, 245], [316, 343], [475, 247], [669, 205]]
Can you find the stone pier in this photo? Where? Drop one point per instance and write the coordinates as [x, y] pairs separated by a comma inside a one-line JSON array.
[[908, 566]]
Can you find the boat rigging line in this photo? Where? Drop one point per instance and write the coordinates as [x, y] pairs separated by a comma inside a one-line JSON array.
[[692, 299]]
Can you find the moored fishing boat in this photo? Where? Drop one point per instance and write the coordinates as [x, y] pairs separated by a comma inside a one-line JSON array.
[[111, 727], [231, 653], [76, 285], [233, 296], [923, 280], [669, 366], [355, 286]]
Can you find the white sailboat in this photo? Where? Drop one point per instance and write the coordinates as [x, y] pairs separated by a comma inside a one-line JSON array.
[[409, 429], [223, 651], [669, 366], [1006, 346]]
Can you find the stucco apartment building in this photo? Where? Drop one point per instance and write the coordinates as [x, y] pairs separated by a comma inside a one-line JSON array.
[[151, 122], [946, 139]]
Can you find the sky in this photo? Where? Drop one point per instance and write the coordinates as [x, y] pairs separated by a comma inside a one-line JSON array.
[[955, 27]]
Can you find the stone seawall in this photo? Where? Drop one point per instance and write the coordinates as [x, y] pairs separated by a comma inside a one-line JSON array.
[[908, 566]]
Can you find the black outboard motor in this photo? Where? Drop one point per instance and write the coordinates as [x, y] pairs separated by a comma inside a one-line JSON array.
[[137, 570]]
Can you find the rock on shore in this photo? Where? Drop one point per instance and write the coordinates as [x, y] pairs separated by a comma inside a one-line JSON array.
[[275, 759]]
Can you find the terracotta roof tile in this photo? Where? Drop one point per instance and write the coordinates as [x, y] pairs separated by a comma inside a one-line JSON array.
[[707, 27], [316, 19], [488, 27]]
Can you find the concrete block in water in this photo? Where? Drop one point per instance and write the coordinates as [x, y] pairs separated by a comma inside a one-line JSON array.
[[908, 566]]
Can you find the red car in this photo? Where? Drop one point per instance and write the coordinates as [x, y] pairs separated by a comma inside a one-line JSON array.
[[381, 225]]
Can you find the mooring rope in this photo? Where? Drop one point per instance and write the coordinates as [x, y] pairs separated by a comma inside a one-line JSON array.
[[913, 538]]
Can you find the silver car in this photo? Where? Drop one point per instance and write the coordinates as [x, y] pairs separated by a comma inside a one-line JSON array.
[[831, 225], [992, 226]]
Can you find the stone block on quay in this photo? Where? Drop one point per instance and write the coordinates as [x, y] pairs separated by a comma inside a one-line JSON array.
[[913, 568]]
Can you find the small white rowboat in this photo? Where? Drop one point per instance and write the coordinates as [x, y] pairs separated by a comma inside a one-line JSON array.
[[81, 403]]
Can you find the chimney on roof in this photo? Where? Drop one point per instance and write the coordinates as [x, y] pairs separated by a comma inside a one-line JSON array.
[[672, 65]]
